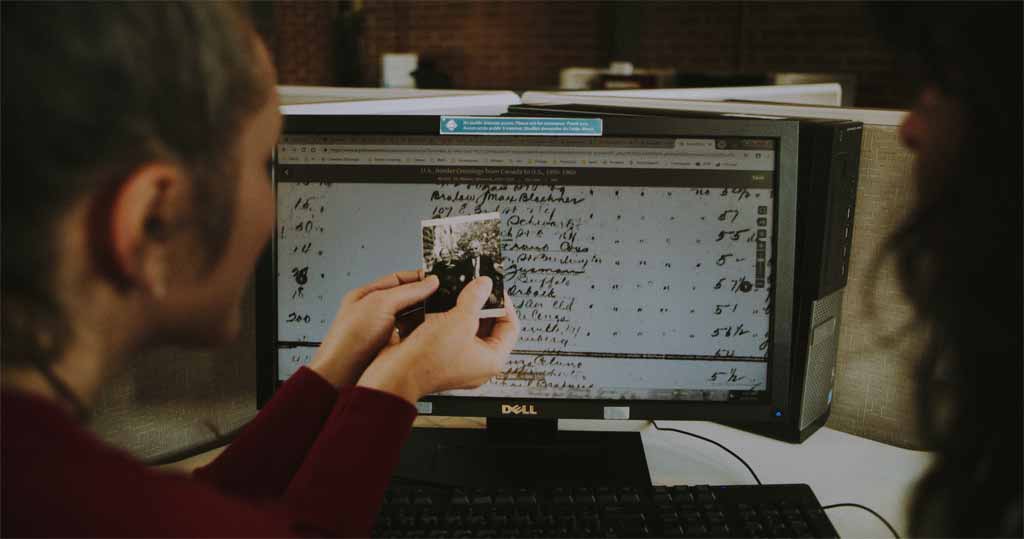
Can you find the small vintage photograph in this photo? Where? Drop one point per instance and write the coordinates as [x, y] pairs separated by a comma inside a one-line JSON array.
[[460, 249]]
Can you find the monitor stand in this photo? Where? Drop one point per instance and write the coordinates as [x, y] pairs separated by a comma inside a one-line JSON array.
[[522, 452]]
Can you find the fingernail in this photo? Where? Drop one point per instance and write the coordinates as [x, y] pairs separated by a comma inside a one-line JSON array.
[[484, 287]]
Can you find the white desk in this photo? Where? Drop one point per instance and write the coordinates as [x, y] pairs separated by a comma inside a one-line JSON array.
[[839, 467]]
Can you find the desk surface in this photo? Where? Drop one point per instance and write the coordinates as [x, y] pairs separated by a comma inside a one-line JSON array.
[[839, 467]]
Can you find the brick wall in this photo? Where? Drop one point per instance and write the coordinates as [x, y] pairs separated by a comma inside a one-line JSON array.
[[522, 45], [485, 45], [303, 41]]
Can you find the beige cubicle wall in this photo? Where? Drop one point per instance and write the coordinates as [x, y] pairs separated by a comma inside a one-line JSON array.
[[169, 400], [878, 346]]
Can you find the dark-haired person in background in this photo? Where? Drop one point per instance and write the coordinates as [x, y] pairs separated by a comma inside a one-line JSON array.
[[959, 257], [135, 202]]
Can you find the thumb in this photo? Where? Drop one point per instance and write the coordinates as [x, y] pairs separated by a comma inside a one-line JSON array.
[[474, 295], [400, 297]]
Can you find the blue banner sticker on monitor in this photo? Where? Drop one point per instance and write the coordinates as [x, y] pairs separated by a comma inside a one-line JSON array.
[[492, 125]]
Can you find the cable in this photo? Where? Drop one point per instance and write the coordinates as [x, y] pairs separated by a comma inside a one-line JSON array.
[[709, 440], [191, 451], [869, 510]]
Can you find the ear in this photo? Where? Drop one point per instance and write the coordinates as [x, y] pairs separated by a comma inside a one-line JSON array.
[[145, 212]]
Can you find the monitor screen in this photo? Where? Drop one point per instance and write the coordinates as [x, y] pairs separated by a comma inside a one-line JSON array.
[[641, 266]]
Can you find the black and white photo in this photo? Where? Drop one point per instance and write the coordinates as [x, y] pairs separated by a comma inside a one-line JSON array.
[[460, 249]]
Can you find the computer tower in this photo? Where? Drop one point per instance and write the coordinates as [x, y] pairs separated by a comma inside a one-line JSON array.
[[829, 159]]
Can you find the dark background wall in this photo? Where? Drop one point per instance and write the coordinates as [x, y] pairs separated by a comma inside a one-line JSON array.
[[523, 44]]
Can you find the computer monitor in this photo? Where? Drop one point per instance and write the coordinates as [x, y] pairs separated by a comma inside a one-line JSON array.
[[651, 265]]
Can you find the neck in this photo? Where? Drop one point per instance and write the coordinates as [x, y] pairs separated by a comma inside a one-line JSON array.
[[81, 371], [104, 325]]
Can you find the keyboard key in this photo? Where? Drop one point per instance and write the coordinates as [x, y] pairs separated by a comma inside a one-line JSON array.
[[624, 519], [526, 499], [695, 530], [706, 497], [682, 498], [630, 499], [504, 499], [673, 531], [475, 521], [607, 499], [781, 530], [521, 521], [585, 499], [719, 530]]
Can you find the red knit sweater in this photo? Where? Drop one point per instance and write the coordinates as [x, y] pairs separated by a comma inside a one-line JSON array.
[[314, 461]]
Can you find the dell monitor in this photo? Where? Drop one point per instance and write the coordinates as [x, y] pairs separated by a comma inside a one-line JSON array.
[[650, 261]]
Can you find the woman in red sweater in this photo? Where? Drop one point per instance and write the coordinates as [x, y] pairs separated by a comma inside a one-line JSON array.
[[135, 202]]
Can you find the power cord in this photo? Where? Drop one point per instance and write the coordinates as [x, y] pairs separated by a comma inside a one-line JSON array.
[[869, 510], [198, 449], [709, 440]]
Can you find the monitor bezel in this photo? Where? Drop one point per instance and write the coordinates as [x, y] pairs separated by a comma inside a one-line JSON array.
[[776, 408]]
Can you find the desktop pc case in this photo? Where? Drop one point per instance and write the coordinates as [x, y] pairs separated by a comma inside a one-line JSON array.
[[829, 158]]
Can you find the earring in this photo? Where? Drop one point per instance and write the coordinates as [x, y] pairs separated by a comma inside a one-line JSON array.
[[154, 228], [160, 285]]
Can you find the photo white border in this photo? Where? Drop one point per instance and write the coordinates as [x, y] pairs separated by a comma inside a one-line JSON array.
[[459, 219]]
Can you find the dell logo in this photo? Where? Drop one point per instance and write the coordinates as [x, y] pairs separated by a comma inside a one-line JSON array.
[[518, 409]]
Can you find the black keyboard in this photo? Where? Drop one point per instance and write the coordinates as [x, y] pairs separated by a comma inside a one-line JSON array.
[[679, 511]]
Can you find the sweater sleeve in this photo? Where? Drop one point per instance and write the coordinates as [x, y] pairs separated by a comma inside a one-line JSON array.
[[277, 440], [356, 447], [52, 467]]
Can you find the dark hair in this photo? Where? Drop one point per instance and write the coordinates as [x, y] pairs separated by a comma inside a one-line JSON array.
[[90, 92], [959, 259]]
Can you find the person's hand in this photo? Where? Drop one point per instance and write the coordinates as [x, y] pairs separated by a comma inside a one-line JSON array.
[[446, 351], [365, 323]]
